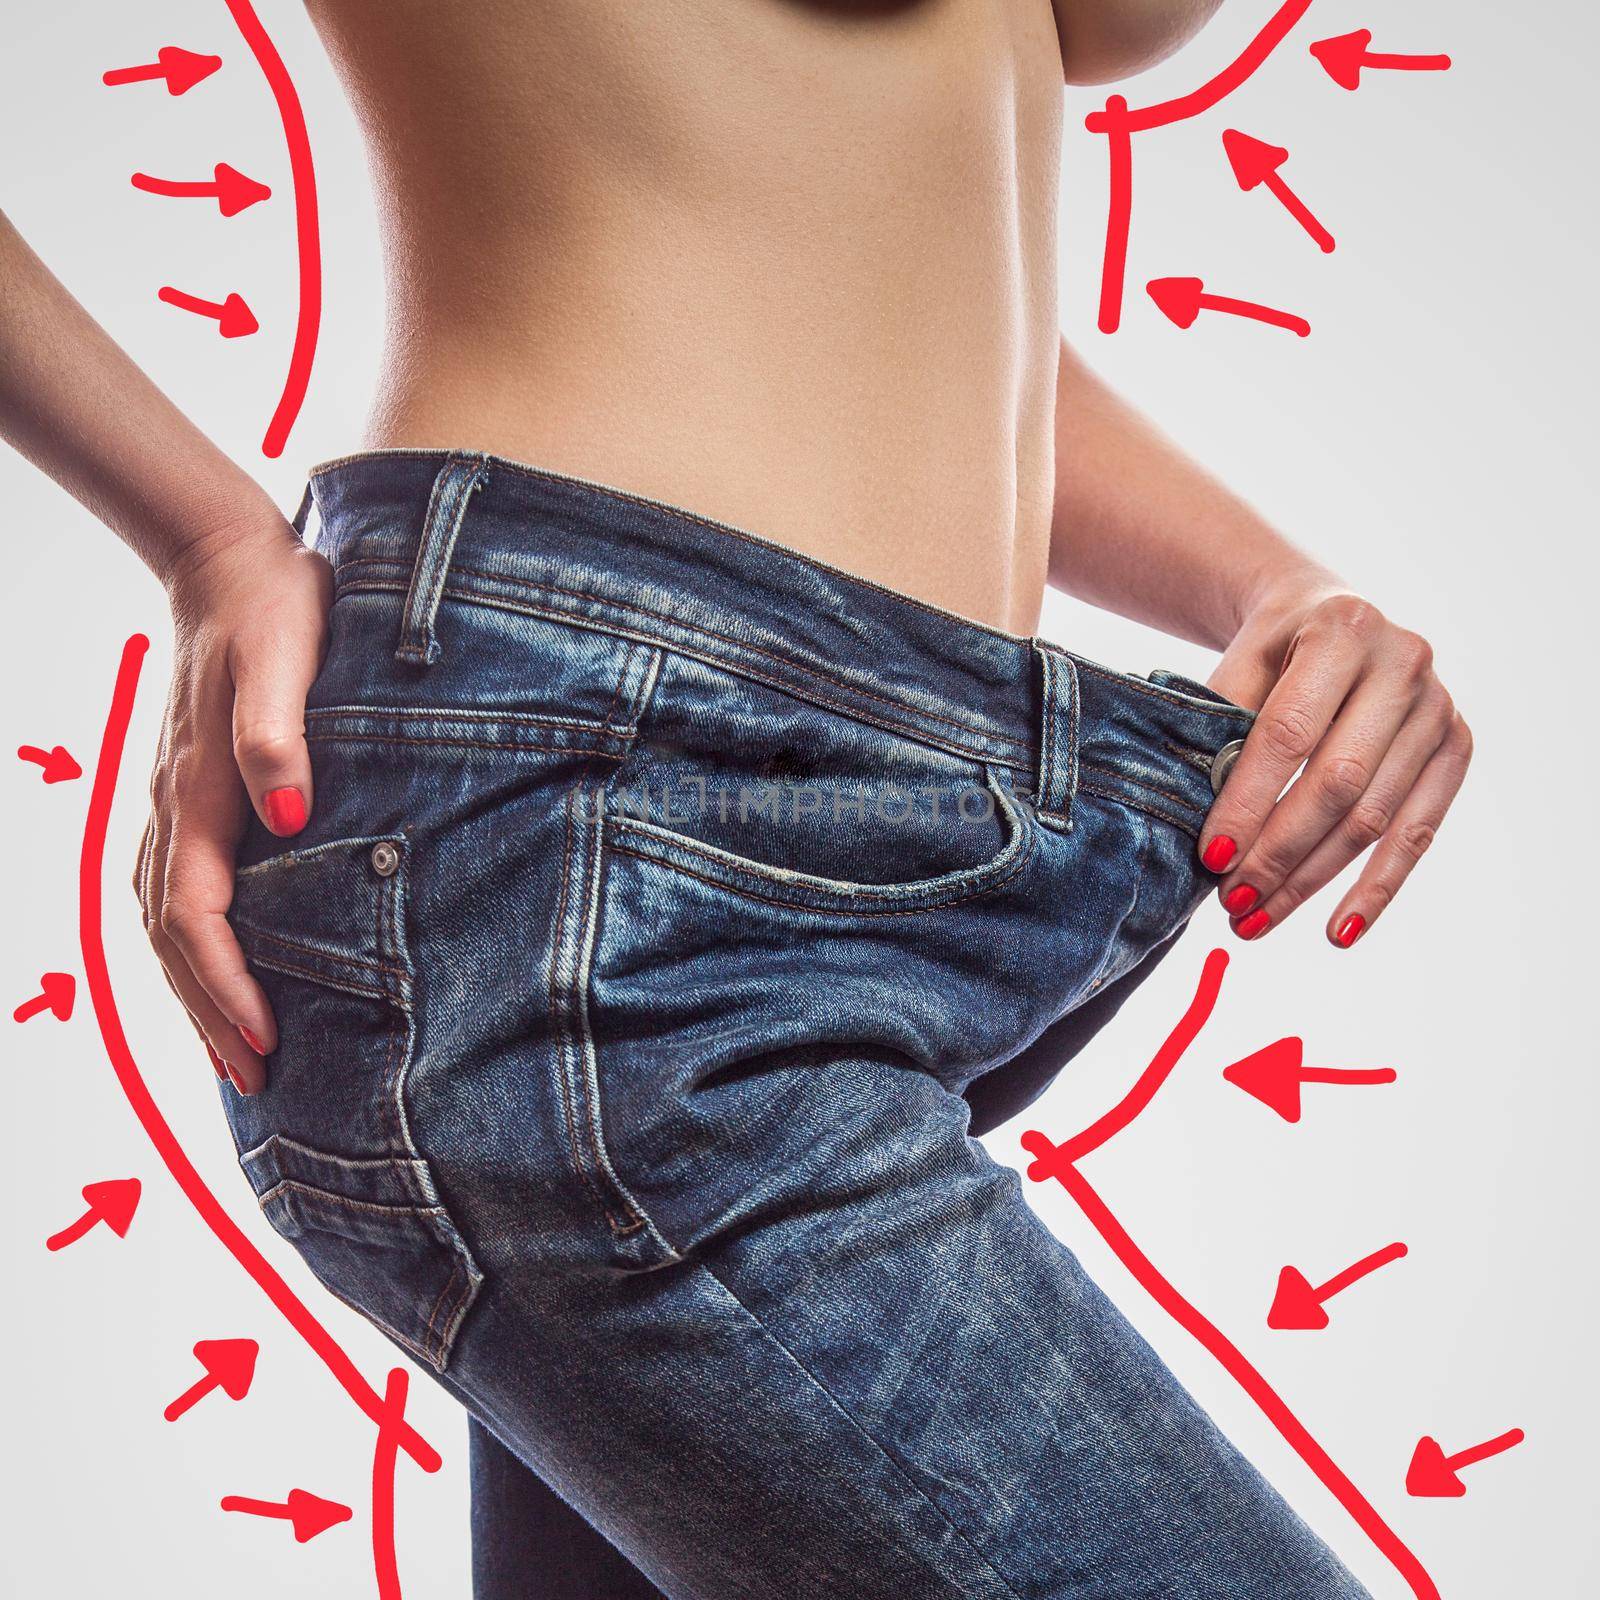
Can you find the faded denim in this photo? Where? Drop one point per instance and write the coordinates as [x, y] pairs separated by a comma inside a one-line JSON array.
[[633, 1019]]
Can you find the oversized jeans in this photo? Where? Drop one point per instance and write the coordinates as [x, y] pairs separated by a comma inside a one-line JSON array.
[[669, 902]]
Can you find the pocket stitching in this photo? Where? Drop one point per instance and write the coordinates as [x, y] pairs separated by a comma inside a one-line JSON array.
[[438, 1225], [452, 1302], [831, 894]]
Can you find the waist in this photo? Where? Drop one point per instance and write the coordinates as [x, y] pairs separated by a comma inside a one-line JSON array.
[[445, 527]]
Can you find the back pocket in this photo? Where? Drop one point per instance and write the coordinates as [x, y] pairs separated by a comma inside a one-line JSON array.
[[328, 1145]]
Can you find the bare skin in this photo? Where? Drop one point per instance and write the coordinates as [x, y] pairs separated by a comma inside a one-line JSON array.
[[790, 264]]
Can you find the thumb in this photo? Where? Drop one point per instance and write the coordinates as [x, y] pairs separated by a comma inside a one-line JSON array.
[[269, 741]]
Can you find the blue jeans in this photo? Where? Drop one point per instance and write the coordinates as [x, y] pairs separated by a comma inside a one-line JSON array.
[[670, 904]]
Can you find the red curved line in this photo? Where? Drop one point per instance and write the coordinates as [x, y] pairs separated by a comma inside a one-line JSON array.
[[1159, 1070], [1239, 1368], [97, 978], [1214, 89], [307, 233], [1056, 1161], [385, 1457], [1119, 216]]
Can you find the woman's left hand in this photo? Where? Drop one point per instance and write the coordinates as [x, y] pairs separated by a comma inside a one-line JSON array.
[[1354, 699]]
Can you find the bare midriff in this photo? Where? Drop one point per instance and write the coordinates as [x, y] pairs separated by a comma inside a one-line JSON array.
[[789, 264]]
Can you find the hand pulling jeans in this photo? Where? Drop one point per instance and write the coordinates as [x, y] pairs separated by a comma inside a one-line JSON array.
[[673, 910]]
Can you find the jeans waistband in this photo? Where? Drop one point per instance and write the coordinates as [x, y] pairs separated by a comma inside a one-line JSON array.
[[431, 524]]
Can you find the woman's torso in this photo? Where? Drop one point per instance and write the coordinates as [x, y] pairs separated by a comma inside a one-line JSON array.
[[788, 263]]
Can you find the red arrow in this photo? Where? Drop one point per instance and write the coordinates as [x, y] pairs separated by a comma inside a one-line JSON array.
[[1183, 299], [1433, 1474], [307, 1513], [182, 69], [1298, 1305], [1274, 1076], [230, 188], [112, 1202], [234, 318], [1255, 162], [1344, 57], [57, 991], [230, 1365], [57, 764]]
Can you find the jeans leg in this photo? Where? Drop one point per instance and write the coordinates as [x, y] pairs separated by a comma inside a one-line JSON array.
[[872, 1372], [529, 1544]]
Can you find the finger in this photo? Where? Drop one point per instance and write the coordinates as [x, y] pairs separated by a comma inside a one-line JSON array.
[[198, 891], [1335, 784], [229, 1055], [269, 740], [1255, 911], [149, 871], [1288, 729], [1406, 840], [141, 868], [219, 1066]]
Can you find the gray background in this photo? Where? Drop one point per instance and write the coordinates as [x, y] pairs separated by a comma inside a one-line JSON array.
[[1433, 439]]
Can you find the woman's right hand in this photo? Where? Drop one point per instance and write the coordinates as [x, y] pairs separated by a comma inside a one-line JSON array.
[[250, 615]]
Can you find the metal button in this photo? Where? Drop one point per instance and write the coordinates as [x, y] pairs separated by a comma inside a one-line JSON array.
[[385, 858], [1222, 763]]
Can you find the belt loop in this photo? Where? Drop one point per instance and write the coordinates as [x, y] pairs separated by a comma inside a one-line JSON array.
[[459, 479], [1057, 780]]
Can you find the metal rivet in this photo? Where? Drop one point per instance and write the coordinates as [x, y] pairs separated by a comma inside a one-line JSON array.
[[385, 858], [1222, 763]]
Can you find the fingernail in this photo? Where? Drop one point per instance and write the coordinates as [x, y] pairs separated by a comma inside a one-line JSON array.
[[251, 1040], [1350, 930], [1238, 901], [286, 810], [1219, 853], [216, 1061], [237, 1081], [1253, 926]]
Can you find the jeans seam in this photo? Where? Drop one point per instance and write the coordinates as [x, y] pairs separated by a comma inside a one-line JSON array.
[[1133, 905], [526, 584], [462, 744], [347, 985], [1135, 804], [558, 1026], [1138, 783], [877, 1444], [576, 1061]]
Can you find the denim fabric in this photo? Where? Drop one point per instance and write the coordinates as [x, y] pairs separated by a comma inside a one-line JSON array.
[[665, 896]]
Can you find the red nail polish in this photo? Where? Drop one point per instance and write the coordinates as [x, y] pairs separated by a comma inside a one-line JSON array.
[[251, 1040], [1219, 853], [286, 810], [216, 1062], [1239, 900], [1350, 930], [237, 1081], [1253, 926]]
